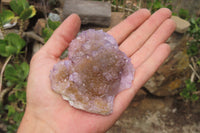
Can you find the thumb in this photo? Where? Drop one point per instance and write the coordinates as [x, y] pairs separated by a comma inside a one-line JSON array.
[[62, 36]]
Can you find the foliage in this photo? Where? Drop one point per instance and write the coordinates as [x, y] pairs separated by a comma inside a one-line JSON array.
[[194, 30], [16, 72], [194, 33], [28, 13], [198, 62], [18, 6], [6, 16], [152, 5], [46, 33], [22, 9], [188, 92], [157, 4], [11, 44], [193, 48], [49, 29], [53, 24], [184, 14], [15, 75]]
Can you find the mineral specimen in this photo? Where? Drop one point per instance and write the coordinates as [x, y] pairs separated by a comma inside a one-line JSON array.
[[94, 74]]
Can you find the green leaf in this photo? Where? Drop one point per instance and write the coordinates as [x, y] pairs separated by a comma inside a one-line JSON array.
[[12, 98], [11, 110], [17, 74], [17, 117], [156, 5], [21, 95], [18, 6], [194, 97], [189, 92], [3, 48], [184, 14], [46, 33], [193, 48], [10, 50], [192, 21], [24, 3], [33, 11], [20, 85], [11, 74], [6, 16], [53, 25], [198, 62], [28, 13], [12, 128], [170, 7], [15, 41], [25, 68]]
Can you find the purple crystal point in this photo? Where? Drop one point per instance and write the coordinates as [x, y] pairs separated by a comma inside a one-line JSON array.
[[94, 74]]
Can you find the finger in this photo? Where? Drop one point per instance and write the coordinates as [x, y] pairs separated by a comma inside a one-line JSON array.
[[137, 39], [142, 74], [160, 36], [62, 36], [149, 67], [122, 30]]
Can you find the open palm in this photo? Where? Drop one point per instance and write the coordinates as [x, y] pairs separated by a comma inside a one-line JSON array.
[[141, 36]]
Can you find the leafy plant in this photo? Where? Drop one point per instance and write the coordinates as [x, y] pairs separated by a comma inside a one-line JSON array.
[[11, 44], [16, 74], [191, 92], [194, 33], [6, 16], [157, 4], [198, 62], [194, 30], [15, 116], [193, 48], [188, 92], [184, 14], [22, 9]]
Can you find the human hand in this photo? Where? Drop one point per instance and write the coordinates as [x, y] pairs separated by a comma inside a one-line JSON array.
[[141, 36]]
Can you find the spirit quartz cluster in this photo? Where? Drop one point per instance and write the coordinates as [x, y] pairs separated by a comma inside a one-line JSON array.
[[94, 74]]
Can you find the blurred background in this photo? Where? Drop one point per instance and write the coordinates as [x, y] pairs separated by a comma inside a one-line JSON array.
[[168, 103]]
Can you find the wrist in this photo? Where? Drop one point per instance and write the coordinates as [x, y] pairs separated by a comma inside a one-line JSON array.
[[32, 124]]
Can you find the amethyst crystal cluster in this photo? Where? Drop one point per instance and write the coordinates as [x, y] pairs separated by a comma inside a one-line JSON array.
[[94, 74]]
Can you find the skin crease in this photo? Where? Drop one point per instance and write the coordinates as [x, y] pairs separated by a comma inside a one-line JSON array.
[[141, 36]]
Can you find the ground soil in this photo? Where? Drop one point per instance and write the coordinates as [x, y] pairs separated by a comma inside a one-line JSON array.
[[159, 115]]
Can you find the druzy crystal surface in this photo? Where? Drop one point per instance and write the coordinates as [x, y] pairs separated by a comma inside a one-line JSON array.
[[94, 74]]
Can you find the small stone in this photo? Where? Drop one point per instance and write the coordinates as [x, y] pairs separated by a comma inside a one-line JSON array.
[[9, 25], [39, 26], [54, 17], [181, 24], [171, 76], [36, 47], [94, 74], [90, 12], [6, 2]]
